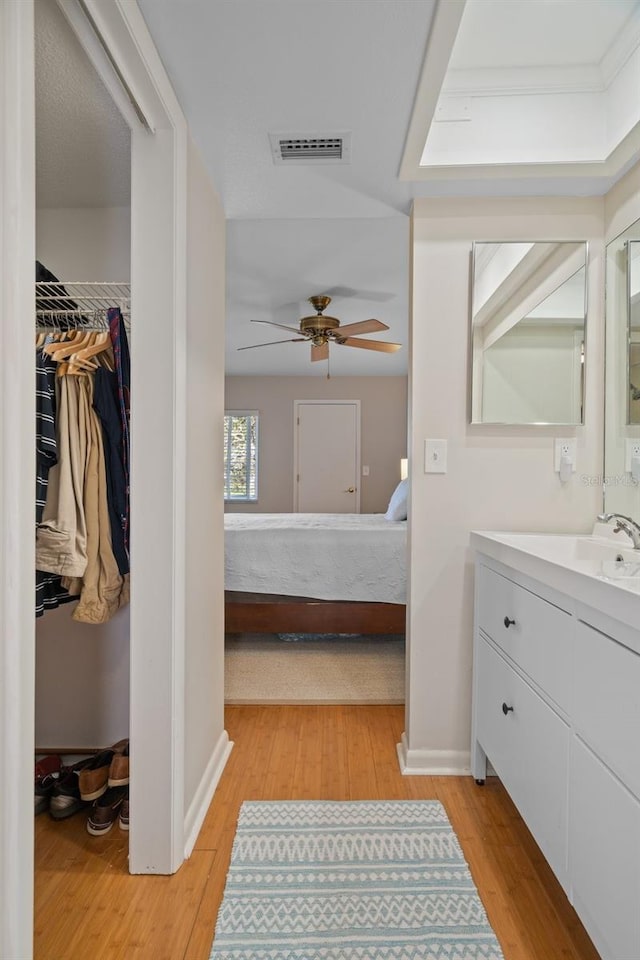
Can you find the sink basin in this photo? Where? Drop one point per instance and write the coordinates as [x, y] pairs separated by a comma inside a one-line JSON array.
[[596, 556]]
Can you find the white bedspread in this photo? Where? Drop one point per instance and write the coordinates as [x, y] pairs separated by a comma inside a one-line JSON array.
[[328, 556]]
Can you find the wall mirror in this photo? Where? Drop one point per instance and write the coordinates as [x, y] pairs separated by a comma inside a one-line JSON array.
[[528, 321], [622, 375]]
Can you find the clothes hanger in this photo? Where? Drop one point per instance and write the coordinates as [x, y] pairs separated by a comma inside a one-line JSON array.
[[100, 343], [73, 344]]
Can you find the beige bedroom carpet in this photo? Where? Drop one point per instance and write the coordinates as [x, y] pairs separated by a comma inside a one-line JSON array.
[[262, 668]]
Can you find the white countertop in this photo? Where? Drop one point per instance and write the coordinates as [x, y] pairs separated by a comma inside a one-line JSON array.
[[581, 566]]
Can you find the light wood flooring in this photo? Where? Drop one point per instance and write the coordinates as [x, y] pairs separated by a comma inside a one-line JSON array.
[[89, 908]]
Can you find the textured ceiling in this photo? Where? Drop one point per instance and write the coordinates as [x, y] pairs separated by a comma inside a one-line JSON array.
[[242, 70], [82, 142]]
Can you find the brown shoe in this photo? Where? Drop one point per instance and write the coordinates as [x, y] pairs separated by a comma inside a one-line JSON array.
[[95, 776], [119, 769], [105, 810], [93, 779], [123, 820]]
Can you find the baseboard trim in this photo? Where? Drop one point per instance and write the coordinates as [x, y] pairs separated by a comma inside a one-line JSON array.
[[437, 763], [198, 807]]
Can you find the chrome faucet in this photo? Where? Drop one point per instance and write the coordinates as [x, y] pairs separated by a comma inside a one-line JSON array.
[[630, 527]]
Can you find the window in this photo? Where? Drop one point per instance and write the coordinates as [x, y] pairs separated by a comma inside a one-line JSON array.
[[241, 455]]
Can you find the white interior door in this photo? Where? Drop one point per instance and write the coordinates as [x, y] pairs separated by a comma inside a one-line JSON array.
[[327, 456]]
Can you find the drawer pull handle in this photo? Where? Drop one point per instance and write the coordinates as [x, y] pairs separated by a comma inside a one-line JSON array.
[[508, 622], [506, 709]]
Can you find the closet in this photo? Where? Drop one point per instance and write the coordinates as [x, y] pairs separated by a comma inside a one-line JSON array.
[[83, 238], [169, 684]]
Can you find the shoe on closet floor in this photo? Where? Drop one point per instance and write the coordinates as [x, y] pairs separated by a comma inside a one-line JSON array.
[[123, 819], [47, 774], [105, 810], [94, 779], [119, 769], [65, 798]]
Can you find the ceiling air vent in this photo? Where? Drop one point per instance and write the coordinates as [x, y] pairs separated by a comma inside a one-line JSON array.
[[307, 148]]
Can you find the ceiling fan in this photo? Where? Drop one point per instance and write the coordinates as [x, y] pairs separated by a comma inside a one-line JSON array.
[[320, 330]]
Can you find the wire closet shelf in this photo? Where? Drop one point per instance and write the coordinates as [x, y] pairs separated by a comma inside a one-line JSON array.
[[77, 304]]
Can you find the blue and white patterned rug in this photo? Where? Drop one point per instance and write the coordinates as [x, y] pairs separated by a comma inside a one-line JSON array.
[[360, 880]]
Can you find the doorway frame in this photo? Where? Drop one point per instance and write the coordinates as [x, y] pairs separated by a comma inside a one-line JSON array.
[[296, 420], [159, 303]]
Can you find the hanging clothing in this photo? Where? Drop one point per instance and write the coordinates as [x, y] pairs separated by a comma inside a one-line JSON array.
[[101, 585], [82, 497], [61, 537], [106, 403], [49, 590], [122, 361]]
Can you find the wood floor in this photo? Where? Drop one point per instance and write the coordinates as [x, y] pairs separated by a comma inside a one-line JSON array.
[[89, 908]]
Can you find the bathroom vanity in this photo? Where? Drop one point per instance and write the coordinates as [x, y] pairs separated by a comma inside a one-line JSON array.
[[556, 712]]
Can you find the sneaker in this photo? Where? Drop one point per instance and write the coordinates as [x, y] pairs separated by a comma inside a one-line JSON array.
[[123, 820], [105, 811], [47, 774], [65, 797]]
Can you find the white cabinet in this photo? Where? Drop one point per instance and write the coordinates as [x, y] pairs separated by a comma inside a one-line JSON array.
[[528, 745], [534, 633], [556, 710], [604, 843]]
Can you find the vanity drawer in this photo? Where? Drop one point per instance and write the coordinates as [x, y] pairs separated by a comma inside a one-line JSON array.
[[537, 635], [528, 746], [606, 702]]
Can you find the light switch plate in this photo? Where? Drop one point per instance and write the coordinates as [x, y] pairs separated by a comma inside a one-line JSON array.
[[568, 446], [365, 471], [435, 456]]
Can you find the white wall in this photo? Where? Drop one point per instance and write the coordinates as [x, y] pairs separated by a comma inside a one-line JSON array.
[[511, 117], [88, 243], [205, 740], [498, 477], [533, 128], [383, 405], [622, 213], [622, 204], [82, 670]]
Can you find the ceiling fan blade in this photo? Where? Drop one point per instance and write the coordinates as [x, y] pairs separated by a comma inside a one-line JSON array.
[[270, 343], [375, 296], [321, 352], [272, 323], [363, 326], [371, 344]]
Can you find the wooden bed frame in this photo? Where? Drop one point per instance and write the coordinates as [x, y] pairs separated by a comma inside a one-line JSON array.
[[274, 613]]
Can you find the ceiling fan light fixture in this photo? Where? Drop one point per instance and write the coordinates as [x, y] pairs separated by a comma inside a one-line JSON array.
[[320, 330]]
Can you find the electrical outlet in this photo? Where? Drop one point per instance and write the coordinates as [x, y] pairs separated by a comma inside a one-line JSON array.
[[564, 448], [632, 450]]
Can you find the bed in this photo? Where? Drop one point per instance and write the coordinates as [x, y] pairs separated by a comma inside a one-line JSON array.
[[314, 573]]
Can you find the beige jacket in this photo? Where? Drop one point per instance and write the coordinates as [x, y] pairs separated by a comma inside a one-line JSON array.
[[102, 590], [61, 537]]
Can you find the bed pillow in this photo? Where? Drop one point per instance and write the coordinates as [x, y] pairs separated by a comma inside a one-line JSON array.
[[397, 509]]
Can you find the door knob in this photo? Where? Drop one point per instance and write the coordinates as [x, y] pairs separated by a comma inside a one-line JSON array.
[[507, 622], [350, 490]]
